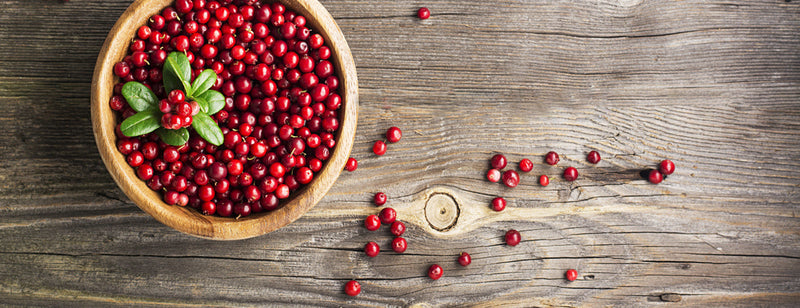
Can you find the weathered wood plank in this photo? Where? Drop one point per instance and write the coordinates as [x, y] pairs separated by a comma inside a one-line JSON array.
[[712, 85]]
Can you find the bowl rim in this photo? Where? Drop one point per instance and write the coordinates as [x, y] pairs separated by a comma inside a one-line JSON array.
[[191, 221]]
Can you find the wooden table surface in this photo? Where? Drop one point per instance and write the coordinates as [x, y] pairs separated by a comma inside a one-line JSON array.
[[712, 85]]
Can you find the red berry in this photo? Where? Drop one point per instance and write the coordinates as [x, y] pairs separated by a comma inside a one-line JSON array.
[[513, 237], [351, 165], [464, 259], [570, 174], [493, 175], [209, 208], [655, 176], [666, 167], [511, 178], [399, 245], [176, 96], [544, 180], [372, 223], [380, 199], [388, 215], [498, 204], [571, 274], [499, 162], [379, 148], [372, 249], [394, 134], [525, 165], [398, 228], [435, 272], [593, 157], [423, 13], [551, 158], [352, 288]]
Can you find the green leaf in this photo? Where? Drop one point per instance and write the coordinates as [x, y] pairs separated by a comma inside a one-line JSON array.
[[203, 82], [203, 104], [177, 65], [171, 81], [214, 101], [207, 128], [141, 123], [139, 97], [176, 137]]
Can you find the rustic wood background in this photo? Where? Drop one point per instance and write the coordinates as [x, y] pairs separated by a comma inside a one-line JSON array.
[[713, 85]]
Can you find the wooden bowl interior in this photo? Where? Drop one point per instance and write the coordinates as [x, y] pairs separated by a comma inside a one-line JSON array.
[[189, 220]]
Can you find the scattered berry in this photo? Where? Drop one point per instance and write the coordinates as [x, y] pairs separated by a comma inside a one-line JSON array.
[[571, 274], [352, 288], [464, 259], [544, 180], [423, 13], [525, 165], [388, 215], [380, 199], [570, 174], [379, 148], [351, 165], [666, 167], [372, 249], [551, 158], [511, 178], [493, 175], [499, 162], [397, 228], [394, 134], [593, 157], [498, 204], [513, 237], [435, 272], [655, 176], [372, 223], [399, 245]]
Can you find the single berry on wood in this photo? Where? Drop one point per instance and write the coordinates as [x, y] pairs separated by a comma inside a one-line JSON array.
[[372, 249], [394, 134], [380, 199], [499, 162], [423, 13], [435, 272], [511, 178], [464, 259], [397, 228], [372, 222], [525, 165], [498, 204], [388, 215], [399, 245], [570, 174], [666, 167], [544, 180], [352, 288], [513, 237], [571, 274], [551, 158], [493, 175], [655, 176]]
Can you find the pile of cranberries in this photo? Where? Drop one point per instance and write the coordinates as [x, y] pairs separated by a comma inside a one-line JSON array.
[[281, 105]]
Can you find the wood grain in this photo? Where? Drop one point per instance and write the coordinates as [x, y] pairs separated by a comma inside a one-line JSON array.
[[712, 85]]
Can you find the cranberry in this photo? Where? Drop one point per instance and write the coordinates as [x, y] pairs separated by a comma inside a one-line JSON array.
[[209, 208], [544, 180], [372, 223], [570, 174], [423, 13], [435, 272], [394, 134], [551, 158], [493, 175], [593, 157], [511, 178], [655, 176], [464, 259], [525, 165], [399, 245], [498, 204], [379, 148], [388, 215], [398, 228], [380, 198], [571, 274], [499, 162], [513, 237], [352, 288], [351, 164], [666, 167], [372, 249], [135, 159]]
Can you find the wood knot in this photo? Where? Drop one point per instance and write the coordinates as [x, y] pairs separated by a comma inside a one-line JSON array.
[[670, 297], [441, 211]]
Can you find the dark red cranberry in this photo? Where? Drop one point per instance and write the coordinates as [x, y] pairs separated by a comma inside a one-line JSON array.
[[352, 288], [551, 158], [135, 159], [435, 272], [283, 191], [511, 178], [394, 134], [464, 259], [209, 208], [351, 165], [423, 13], [372, 249], [593, 157], [388, 215], [544, 180], [225, 208], [513, 237], [379, 148], [397, 228], [399, 245], [525, 165], [493, 175], [655, 176], [499, 162], [666, 167], [498, 204], [145, 172], [380, 199], [570, 174], [571, 274], [372, 222]]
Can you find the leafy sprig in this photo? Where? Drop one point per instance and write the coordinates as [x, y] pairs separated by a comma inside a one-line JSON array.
[[177, 74]]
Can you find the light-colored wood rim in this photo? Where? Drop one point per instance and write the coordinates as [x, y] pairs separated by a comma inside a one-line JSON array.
[[188, 220]]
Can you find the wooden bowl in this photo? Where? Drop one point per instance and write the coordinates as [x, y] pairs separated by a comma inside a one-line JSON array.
[[189, 220]]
